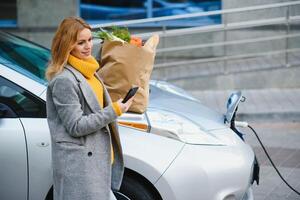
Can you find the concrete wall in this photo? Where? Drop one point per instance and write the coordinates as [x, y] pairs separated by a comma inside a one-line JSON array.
[[38, 19], [260, 73], [237, 34], [44, 13], [270, 78], [262, 31]]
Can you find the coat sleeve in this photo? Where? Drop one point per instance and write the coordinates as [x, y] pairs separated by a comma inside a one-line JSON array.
[[65, 96]]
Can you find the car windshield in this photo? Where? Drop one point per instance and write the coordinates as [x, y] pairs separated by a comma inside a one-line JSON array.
[[23, 56]]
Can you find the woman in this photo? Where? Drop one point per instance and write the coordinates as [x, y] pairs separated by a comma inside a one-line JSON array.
[[86, 149]]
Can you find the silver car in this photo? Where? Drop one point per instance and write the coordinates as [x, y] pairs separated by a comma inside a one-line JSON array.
[[177, 150]]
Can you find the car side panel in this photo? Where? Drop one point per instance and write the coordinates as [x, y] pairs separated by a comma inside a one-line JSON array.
[[39, 157], [208, 172], [148, 154], [13, 160]]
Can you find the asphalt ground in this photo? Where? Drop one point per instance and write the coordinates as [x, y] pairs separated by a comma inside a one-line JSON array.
[[282, 141]]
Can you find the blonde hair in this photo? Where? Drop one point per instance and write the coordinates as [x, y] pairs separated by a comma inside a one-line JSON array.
[[63, 42]]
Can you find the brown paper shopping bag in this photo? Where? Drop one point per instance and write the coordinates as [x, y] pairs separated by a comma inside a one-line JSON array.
[[125, 65]]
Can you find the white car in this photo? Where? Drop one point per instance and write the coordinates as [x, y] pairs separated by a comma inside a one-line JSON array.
[[177, 150]]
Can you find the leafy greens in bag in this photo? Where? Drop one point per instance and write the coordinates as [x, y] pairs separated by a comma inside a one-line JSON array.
[[117, 34], [120, 34]]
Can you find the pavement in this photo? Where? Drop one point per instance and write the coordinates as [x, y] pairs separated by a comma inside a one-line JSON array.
[[282, 141], [275, 115]]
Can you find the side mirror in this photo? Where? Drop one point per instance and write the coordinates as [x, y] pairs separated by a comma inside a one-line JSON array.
[[6, 111]]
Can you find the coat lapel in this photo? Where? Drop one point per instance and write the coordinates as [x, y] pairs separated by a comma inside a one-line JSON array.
[[106, 97], [86, 90], [113, 126]]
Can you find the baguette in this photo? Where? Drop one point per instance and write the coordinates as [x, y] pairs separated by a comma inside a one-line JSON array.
[[152, 42]]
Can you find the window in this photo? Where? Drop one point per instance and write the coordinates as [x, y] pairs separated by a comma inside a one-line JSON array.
[[23, 56], [17, 102], [8, 13], [101, 11]]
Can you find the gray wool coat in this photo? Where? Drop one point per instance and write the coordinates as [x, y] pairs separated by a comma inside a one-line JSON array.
[[81, 135]]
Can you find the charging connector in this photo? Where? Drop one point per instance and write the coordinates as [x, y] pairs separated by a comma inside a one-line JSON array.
[[241, 124]]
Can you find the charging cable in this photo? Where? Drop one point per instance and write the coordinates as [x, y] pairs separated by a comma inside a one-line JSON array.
[[244, 125]]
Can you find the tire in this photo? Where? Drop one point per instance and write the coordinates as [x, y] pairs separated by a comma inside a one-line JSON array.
[[136, 187], [50, 194]]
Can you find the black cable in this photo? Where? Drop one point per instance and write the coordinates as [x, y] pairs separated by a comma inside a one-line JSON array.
[[273, 163]]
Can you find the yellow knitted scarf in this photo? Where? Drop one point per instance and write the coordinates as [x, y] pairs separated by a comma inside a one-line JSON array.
[[88, 68]]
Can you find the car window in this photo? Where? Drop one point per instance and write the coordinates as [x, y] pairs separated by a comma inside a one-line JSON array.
[[24, 56], [20, 101]]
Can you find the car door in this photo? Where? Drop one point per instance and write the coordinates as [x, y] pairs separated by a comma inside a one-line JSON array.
[[25, 150], [13, 151]]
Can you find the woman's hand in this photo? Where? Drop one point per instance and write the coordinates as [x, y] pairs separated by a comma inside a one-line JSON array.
[[125, 106]]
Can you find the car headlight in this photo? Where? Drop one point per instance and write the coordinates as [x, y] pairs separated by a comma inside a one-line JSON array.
[[172, 125]]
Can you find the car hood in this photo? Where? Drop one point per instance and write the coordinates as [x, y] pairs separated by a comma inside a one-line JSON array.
[[187, 107]]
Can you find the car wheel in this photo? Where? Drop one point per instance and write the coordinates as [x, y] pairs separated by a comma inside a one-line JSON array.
[[50, 194], [136, 187]]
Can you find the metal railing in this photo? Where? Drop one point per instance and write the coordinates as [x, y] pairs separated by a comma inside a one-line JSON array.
[[185, 16], [164, 51]]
